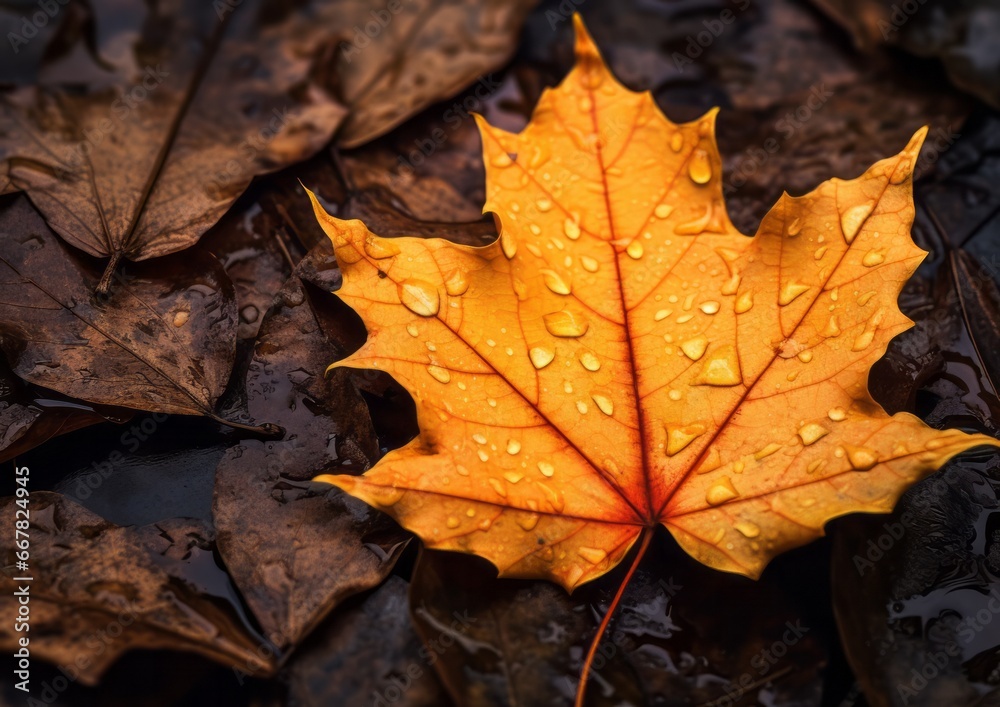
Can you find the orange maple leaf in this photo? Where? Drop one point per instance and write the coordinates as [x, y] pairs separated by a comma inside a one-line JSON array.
[[623, 357]]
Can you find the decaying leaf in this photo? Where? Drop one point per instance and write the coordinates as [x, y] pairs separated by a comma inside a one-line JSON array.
[[621, 357], [163, 341], [295, 553], [186, 103], [29, 418], [427, 50], [100, 590], [898, 604], [142, 163], [258, 255]]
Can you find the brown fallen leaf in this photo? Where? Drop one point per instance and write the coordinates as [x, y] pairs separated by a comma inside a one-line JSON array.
[[167, 134], [426, 50], [258, 256], [163, 341], [359, 184], [916, 593], [29, 418], [296, 553], [100, 590], [152, 154]]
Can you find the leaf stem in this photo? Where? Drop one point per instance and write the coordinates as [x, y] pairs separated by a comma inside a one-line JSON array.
[[267, 430], [581, 690], [104, 286]]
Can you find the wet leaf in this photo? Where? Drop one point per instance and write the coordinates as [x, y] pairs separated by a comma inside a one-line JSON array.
[[29, 418], [295, 552], [621, 355], [258, 254], [185, 105], [163, 341], [100, 590], [368, 652], [151, 155], [350, 186], [426, 51]]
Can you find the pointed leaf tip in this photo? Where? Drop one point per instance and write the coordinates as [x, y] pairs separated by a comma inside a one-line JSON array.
[[585, 48], [917, 141], [346, 483]]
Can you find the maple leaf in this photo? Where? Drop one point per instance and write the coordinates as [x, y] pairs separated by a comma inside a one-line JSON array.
[[622, 357]]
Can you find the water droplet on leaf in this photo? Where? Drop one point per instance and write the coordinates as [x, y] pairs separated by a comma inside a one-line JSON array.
[[419, 297]]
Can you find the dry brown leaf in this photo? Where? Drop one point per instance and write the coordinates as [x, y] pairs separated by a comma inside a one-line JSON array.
[[185, 107]]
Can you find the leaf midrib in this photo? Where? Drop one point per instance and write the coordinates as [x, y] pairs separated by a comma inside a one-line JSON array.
[[194, 85], [626, 319]]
